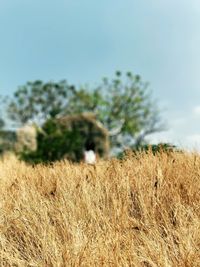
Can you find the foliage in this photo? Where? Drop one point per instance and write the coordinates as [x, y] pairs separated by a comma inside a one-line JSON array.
[[7, 141], [38, 101], [156, 148], [56, 142], [66, 138], [2, 123], [123, 104], [149, 148]]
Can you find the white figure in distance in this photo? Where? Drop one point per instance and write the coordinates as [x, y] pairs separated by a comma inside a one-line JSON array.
[[89, 154]]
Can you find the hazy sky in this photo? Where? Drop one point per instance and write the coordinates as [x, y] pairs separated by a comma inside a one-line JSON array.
[[85, 40]]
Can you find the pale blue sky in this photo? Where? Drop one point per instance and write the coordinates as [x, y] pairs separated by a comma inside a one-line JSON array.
[[85, 40]]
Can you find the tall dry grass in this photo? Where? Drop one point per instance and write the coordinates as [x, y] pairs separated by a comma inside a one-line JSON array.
[[137, 212]]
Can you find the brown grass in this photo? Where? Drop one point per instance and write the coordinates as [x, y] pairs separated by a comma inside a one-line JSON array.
[[138, 212]]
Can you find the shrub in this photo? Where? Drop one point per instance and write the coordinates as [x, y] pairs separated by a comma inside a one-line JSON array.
[[66, 138]]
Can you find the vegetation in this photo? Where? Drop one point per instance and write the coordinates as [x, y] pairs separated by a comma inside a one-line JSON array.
[[150, 148], [66, 138], [157, 148], [55, 142], [7, 141], [2, 123], [140, 211], [122, 104]]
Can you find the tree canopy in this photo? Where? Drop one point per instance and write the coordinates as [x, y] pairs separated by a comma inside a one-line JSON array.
[[38, 101], [123, 104]]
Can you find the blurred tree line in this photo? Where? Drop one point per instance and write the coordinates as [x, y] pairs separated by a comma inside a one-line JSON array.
[[122, 104]]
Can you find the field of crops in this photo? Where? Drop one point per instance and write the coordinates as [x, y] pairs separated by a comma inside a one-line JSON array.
[[140, 211]]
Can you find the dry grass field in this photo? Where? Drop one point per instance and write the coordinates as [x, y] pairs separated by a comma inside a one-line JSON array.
[[141, 211]]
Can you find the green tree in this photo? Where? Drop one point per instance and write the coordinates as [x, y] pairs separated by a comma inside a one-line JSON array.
[[122, 104], [38, 101], [53, 140], [125, 107]]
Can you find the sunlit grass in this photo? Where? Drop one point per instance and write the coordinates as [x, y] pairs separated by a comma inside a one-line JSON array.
[[137, 212]]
